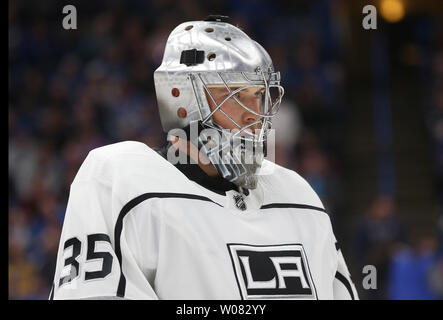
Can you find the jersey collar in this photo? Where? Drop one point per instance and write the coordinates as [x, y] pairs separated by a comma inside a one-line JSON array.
[[195, 173]]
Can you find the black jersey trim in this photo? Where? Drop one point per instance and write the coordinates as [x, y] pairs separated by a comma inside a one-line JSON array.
[[346, 283], [337, 246], [126, 209], [291, 205], [51, 294]]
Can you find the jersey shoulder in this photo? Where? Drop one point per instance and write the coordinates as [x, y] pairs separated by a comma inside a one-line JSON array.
[[128, 161], [283, 185]]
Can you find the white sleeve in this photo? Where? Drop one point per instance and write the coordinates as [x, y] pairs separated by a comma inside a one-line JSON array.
[[89, 259], [343, 286]]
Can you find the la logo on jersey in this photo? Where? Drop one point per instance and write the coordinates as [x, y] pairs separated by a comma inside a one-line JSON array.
[[274, 271]]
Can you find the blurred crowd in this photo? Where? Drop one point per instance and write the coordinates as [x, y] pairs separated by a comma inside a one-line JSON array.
[[409, 265], [71, 91]]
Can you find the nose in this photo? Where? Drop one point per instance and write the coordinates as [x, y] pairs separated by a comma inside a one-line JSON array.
[[249, 117]]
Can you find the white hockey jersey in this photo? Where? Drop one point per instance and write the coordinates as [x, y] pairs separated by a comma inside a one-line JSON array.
[[137, 228]]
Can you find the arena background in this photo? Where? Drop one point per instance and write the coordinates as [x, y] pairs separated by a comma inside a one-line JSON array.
[[362, 119]]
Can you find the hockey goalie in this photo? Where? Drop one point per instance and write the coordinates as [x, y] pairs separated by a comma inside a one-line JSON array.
[[207, 216]]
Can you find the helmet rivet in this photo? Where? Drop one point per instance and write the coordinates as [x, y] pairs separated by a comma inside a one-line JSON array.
[[175, 92], [211, 56], [181, 112]]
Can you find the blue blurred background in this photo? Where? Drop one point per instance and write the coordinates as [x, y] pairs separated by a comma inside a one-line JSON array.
[[362, 119]]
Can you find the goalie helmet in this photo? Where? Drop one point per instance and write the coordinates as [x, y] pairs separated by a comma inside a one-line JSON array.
[[200, 55]]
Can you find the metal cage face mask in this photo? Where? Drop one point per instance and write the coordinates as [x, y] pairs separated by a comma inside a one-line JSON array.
[[234, 84], [200, 56]]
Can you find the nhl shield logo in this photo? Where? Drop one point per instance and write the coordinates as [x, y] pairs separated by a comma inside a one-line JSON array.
[[272, 272], [240, 202]]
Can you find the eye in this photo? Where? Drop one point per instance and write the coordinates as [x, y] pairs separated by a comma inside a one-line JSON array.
[[259, 94], [227, 93]]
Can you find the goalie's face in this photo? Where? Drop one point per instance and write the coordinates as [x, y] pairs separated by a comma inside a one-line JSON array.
[[231, 115]]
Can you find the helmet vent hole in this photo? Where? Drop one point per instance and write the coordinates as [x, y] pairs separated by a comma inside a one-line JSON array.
[[175, 92], [189, 28], [211, 56], [182, 113], [209, 30], [228, 39]]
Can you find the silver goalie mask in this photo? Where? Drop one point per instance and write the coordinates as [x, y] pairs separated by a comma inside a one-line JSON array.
[[201, 56]]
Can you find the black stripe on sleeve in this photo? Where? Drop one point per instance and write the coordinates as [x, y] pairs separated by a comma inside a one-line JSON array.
[[346, 283], [119, 225], [51, 294], [291, 205]]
